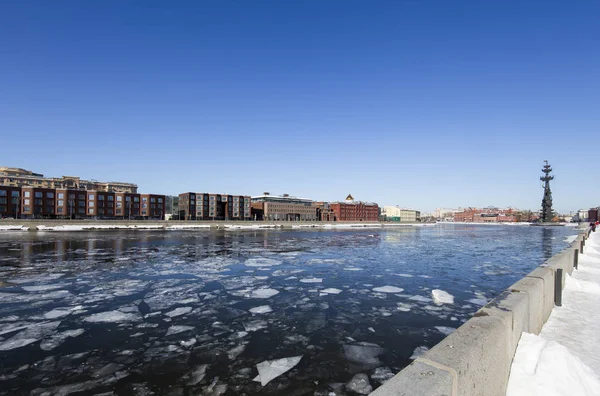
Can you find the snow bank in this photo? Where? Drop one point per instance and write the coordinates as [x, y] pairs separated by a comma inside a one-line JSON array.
[[547, 368], [13, 228]]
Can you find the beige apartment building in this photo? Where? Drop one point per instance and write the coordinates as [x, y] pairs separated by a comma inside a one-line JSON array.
[[395, 213], [284, 208], [17, 177]]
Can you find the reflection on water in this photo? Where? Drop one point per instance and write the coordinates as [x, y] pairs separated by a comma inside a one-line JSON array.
[[195, 312]]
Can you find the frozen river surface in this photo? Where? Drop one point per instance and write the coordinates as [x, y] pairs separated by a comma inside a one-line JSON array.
[[211, 313]]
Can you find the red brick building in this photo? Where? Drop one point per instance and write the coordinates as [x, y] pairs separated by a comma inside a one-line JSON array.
[[355, 211]]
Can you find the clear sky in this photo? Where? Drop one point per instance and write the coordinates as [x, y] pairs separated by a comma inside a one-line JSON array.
[[418, 103]]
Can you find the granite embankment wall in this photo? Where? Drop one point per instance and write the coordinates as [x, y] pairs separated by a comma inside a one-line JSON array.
[[476, 358]]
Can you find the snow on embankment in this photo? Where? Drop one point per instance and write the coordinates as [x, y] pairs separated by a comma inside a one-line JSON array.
[[13, 228], [565, 358]]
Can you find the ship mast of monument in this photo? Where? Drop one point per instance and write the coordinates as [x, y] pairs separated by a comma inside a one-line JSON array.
[[547, 213]]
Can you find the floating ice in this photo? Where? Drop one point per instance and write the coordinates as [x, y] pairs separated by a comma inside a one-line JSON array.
[[111, 316], [352, 269], [32, 333], [271, 369], [441, 297], [235, 352], [404, 275], [388, 289], [404, 307], [364, 354], [41, 288], [261, 262], [420, 299], [382, 375], [419, 351], [179, 311], [360, 384], [263, 293], [311, 280], [261, 310], [178, 329], [59, 338], [478, 301], [255, 325], [61, 312], [195, 376], [331, 290], [445, 330]]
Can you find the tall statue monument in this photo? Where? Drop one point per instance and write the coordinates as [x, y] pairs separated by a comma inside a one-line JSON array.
[[547, 214]]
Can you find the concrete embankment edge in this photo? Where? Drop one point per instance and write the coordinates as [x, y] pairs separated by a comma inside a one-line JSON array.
[[475, 360]]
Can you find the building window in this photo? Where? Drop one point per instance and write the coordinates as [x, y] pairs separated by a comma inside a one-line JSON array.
[[110, 198], [82, 197], [3, 201], [136, 199], [91, 197], [39, 194], [119, 204], [25, 202], [144, 199], [71, 196], [90, 211], [118, 211], [3, 193], [100, 211], [26, 209], [128, 199], [81, 210], [59, 210], [61, 195], [50, 195], [160, 200], [90, 204], [143, 213], [81, 204], [109, 204], [25, 194], [61, 202], [144, 206], [50, 202], [119, 198], [100, 197], [152, 199]]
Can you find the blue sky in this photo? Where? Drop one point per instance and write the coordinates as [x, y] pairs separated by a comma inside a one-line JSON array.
[[418, 103]]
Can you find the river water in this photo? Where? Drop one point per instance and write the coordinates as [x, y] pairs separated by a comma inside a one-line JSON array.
[[193, 313]]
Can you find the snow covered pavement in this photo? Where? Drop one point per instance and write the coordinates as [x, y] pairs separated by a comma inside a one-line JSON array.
[[565, 358]]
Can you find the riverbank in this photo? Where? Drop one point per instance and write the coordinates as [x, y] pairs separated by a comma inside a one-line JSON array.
[[137, 225]]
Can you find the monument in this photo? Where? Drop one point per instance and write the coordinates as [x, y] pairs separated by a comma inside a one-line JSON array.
[[547, 214]]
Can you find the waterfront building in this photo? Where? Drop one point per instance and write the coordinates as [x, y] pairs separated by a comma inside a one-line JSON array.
[[284, 208], [324, 211], [207, 206], [17, 177], [349, 210], [395, 213], [62, 203]]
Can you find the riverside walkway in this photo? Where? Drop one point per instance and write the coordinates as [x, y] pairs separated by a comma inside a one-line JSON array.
[[564, 359]]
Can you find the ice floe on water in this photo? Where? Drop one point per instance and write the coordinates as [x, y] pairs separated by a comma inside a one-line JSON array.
[[359, 384], [418, 352], [420, 299], [261, 309], [255, 325], [445, 330], [178, 329], [32, 333], [388, 289], [479, 299], [41, 288], [311, 280], [179, 311], [261, 262], [58, 338], [404, 275], [61, 312], [112, 317], [442, 297], [364, 355], [271, 369], [330, 290]]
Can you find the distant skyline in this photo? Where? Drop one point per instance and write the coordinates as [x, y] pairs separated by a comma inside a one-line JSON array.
[[417, 103]]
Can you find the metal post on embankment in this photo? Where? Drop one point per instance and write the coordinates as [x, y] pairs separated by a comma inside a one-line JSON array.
[[558, 287], [475, 360]]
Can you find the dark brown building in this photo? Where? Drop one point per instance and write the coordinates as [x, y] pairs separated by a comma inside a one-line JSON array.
[[205, 206]]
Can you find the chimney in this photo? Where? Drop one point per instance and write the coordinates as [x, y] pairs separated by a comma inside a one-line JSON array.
[[286, 195], [266, 193]]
